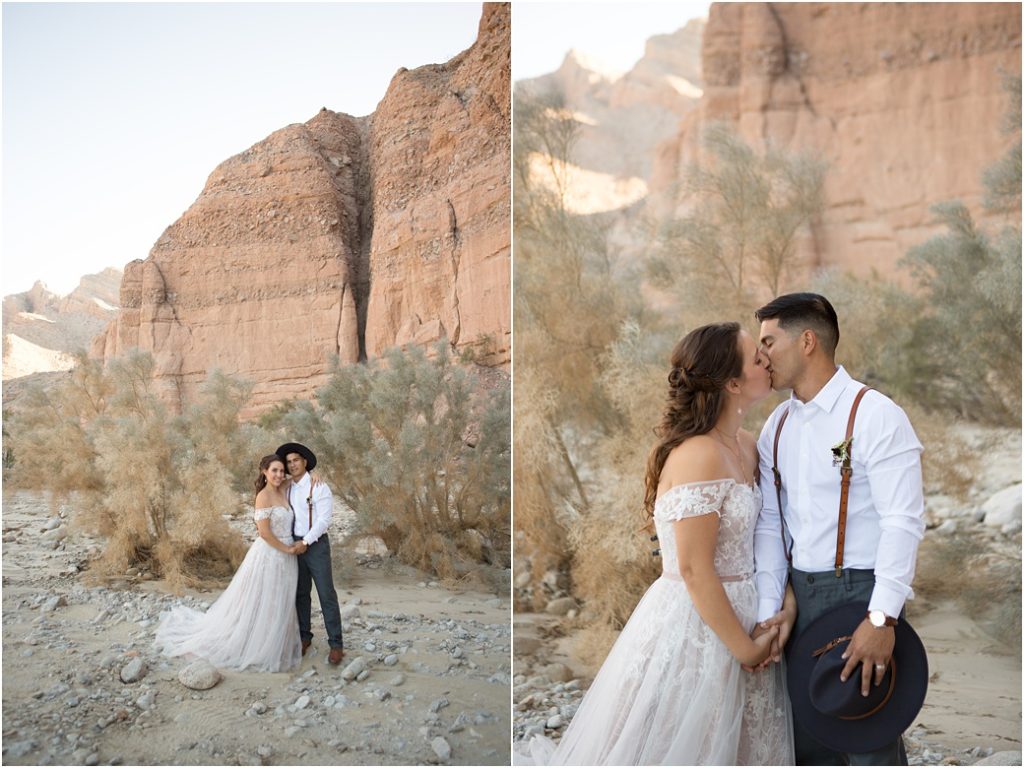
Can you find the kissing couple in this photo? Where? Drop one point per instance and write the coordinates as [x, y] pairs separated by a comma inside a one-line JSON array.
[[263, 619], [775, 634]]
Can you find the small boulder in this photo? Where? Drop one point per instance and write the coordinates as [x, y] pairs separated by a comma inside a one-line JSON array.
[[353, 670], [133, 671], [441, 748], [1003, 508], [200, 675]]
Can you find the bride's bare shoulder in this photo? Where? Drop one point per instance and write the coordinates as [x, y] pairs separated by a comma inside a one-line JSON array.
[[696, 459]]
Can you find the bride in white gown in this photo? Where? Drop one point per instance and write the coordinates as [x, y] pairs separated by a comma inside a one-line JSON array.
[[673, 689], [253, 623]]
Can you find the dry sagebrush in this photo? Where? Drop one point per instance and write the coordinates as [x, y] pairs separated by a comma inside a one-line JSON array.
[[156, 486]]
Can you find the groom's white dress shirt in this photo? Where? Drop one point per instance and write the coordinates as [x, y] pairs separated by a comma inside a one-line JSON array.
[[885, 514], [323, 507]]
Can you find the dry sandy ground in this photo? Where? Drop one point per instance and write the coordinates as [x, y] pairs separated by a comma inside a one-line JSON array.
[[446, 687]]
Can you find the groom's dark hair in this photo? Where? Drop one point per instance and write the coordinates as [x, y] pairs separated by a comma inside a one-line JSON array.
[[797, 312]]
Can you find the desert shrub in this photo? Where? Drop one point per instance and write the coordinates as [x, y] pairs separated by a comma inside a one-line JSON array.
[[613, 561], [737, 243], [968, 334], [570, 297], [420, 453], [155, 486]]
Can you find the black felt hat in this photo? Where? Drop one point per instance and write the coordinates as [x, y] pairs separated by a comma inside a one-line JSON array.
[[835, 713], [300, 449]]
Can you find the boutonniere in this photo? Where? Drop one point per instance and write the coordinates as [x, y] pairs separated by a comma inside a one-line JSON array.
[[841, 453]]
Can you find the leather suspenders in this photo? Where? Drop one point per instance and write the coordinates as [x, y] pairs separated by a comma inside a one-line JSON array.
[[846, 475]]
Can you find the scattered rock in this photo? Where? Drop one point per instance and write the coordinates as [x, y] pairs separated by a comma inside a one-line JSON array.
[[561, 606], [441, 748], [1003, 508], [133, 671], [438, 704], [53, 603], [200, 675], [354, 669]]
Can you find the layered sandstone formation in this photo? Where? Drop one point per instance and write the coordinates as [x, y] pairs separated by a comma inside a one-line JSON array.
[[340, 237], [904, 102], [41, 328], [440, 252]]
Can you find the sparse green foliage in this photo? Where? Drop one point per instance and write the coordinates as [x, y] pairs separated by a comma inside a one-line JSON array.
[[738, 243], [420, 453], [969, 333], [154, 485]]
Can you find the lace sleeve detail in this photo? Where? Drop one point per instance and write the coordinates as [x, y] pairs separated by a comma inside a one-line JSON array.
[[263, 514], [693, 499]]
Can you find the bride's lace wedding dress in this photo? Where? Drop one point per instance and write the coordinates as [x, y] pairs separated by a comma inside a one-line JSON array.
[[253, 623], [670, 692]]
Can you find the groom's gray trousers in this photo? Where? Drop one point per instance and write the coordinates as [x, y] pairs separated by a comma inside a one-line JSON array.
[[816, 594], [315, 567]]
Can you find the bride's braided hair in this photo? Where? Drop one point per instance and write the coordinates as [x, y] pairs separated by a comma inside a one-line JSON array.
[[702, 363], [261, 479]]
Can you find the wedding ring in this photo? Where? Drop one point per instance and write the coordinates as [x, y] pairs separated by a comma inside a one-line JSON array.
[[879, 666]]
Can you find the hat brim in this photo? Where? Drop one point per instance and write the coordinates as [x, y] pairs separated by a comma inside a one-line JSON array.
[[881, 728], [300, 449]]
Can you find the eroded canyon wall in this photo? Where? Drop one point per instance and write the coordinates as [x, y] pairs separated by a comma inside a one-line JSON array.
[[341, 236], [903, 100]]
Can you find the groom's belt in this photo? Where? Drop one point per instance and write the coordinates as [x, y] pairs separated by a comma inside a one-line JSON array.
[[678, 578], [847, 576]]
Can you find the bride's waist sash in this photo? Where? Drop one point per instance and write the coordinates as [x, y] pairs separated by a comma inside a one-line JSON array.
[[739, 577]]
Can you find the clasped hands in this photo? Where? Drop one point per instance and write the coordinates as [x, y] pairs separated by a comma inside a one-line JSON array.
[[771, 635], [299, 547]]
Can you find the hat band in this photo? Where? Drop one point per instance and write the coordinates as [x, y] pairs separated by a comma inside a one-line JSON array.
[[830, 645]]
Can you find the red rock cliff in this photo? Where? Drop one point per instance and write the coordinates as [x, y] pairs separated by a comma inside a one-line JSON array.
[[903, 100], [340, 236]]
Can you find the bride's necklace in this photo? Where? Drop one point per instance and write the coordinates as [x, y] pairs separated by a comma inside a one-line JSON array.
[[736, 453]]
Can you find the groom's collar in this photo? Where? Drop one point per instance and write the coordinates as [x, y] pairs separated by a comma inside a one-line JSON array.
[[829, 394]]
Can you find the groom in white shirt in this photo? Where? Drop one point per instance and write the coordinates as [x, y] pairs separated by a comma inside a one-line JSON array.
[[313, 508], [885, 510]]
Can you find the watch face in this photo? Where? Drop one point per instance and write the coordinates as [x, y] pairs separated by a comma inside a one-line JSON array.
[[877, 618]]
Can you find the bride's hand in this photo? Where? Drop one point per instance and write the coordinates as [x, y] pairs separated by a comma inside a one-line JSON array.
[[314, 480], [760, 648]]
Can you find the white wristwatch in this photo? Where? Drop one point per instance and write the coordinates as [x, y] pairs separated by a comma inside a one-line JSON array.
[[879, 620]]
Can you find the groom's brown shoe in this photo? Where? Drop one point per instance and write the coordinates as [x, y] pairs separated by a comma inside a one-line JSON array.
[[334, 657], [305, 646]]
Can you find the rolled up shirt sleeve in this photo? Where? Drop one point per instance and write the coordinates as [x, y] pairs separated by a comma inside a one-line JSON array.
[[893, 464], [770, 564], [323, 509]]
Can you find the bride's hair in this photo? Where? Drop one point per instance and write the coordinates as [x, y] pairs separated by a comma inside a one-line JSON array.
[[265, 462], [702, 363]]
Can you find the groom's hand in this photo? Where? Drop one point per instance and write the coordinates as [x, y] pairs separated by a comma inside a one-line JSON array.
[[784, 620], [301, 547]]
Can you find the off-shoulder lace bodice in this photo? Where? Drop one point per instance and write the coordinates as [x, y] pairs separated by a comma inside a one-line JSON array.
[[280, 521], [735, 504]]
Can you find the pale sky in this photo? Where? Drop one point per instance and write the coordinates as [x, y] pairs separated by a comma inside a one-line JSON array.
[[114, 115], [542, 32]]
